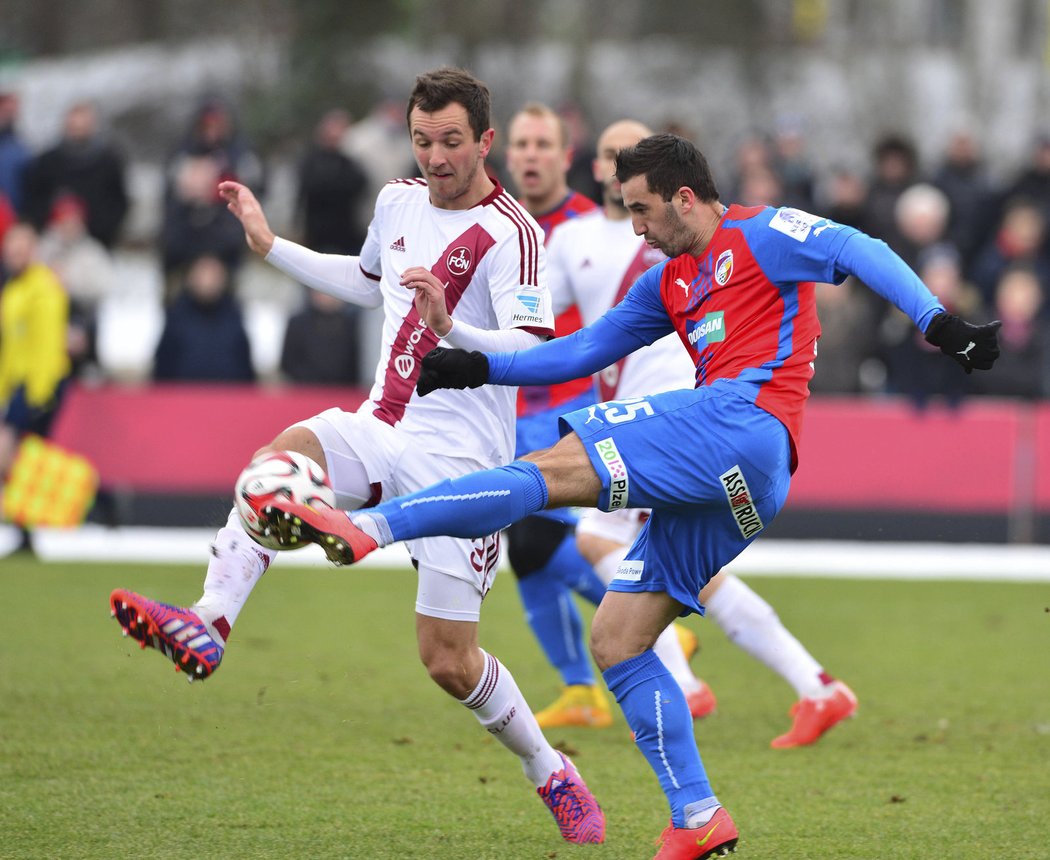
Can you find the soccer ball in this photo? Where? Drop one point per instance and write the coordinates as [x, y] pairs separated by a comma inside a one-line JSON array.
[[279, 475]]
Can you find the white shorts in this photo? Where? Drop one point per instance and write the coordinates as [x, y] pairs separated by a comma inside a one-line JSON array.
[[620, 526], [369, 461]]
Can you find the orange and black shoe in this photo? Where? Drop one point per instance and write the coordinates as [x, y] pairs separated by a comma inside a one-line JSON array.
[[293, 524], [717, 838], [580, 818], [177, 633], [813, 717]]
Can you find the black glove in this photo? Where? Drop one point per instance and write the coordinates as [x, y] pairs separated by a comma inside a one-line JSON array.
[[970, 345], [452, 368]]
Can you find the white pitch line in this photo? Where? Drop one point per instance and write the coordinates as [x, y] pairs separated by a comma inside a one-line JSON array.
[[801, 558]]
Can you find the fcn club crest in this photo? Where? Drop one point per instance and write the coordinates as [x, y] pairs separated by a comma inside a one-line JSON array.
[[458, 260]]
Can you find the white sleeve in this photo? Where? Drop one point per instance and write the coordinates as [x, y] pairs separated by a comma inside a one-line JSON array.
[[465, 336], [335, 274], [558, 279], [519, 291]]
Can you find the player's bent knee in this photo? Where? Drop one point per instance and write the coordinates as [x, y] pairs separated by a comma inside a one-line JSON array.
[[531, 542]]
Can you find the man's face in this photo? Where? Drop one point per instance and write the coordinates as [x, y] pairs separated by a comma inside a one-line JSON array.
[[447, 153], [658, 221], [618, 136], [537, 157]]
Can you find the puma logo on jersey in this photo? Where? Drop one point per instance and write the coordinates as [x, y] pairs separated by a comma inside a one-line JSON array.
[[680, 283], [398, 245]]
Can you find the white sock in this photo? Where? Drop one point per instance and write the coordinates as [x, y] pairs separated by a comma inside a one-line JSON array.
[[607, 565], [236, 564], [753, 625], [669, 650], [501, 708]]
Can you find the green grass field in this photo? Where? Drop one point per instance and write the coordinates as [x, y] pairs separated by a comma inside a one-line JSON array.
[[321, 736]]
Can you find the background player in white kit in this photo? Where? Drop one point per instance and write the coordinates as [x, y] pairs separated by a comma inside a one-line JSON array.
[[458, 230], [592, 262]]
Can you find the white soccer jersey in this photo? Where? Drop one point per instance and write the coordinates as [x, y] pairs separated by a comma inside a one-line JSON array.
[[491, 259], [593, 261]]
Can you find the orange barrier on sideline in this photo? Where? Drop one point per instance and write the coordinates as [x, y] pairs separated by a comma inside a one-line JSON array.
[[183, 438]]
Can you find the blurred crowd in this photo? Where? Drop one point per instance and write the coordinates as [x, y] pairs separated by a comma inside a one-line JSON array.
[[982, 245]]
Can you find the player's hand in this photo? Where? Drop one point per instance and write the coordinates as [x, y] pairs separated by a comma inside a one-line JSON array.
[[430, 298], [244, 205], [972, 346], [452, 368]]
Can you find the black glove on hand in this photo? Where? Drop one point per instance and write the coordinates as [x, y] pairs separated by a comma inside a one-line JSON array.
[[970, 345], [452, 368]]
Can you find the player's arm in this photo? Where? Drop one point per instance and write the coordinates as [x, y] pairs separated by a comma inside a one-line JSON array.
[[341, 276], [878, 266], [636, 322]]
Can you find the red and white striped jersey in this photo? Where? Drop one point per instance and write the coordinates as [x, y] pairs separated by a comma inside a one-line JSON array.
[[491, 259]]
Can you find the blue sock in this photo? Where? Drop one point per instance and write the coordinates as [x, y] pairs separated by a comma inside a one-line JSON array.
[[576, 572], [471, 506], [655, 708], [556, 623]]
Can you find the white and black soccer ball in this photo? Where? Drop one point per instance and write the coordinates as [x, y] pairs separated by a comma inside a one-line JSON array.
[[284, 475]]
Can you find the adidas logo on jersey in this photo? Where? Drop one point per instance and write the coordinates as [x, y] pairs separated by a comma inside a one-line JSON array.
[[399, 245]]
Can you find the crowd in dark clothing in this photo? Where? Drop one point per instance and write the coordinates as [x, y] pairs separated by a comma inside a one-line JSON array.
[[982, 246]]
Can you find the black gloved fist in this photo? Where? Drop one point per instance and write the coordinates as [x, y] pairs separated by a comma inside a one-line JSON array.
[[452, 368], [972, 346]]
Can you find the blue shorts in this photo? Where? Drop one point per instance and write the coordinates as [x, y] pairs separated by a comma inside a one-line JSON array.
[[714, 468], [540, 430]]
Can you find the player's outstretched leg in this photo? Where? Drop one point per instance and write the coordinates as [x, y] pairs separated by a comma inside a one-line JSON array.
[[814, 716], [579, 817], [330, 528], [177, 633]]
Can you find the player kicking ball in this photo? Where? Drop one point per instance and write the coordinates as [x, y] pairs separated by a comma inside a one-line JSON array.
[[713, 463]]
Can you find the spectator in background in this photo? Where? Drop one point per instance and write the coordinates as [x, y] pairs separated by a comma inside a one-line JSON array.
[[380, 144], [848, 341], [1023, 368], [321, 343], [196, 223], [752, 156], [85, 268], [580, 177], [204, 337], [14, 154], [961, 175], [896, 167], [34, 366], [920, 216], [791, 164], [333, 188], [84, 163], [213, 134], [1020, 238], [1033, 182], [913, 366], [846, 194]]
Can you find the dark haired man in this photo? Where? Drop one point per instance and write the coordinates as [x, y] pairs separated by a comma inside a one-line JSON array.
[[713, 462]]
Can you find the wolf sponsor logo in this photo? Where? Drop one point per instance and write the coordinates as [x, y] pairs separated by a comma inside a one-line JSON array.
[[741, 502], [619, 483], [630, 570], [724, 267], [711, 329], [405, 363]]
